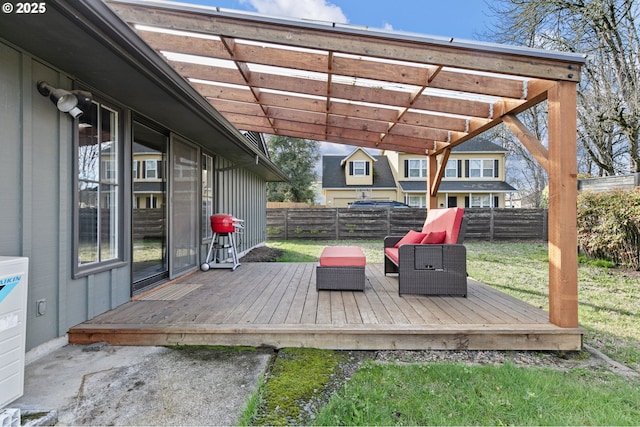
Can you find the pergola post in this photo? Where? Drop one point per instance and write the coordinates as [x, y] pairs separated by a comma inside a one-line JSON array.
[[563, 192], [432, 176]]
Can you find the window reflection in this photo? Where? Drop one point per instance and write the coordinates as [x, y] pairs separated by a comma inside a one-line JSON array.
[[98, 174]]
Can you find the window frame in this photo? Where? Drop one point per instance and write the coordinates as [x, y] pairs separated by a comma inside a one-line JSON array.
[[482, 169], [356, 167], [449, 168], [207, 163], [115, 179], [421, 169], [483, 198], [147, 169], [422, 200]]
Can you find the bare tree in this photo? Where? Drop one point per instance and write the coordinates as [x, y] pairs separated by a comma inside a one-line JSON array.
[[609, 95], [524, 171]]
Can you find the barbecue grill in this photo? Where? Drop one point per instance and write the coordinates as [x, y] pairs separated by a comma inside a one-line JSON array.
[[222, 255]]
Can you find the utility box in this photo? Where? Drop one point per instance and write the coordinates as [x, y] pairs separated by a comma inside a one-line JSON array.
[[13, 326]]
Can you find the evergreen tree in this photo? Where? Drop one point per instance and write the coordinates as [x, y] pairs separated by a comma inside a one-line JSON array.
[[297, 158]]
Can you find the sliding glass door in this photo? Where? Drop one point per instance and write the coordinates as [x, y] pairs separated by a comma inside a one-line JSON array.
[[149, 222], [184, 211]]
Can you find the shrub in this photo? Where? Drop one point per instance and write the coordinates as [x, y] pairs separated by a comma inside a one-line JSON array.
[[609, 226]]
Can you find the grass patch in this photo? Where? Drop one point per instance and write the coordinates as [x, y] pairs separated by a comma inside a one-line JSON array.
[[608, 299], [309, 251], [585, 260], [296, 376], [253, 405], [455, 394]]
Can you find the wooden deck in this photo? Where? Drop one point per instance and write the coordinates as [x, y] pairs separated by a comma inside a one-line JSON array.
[[277, 305]]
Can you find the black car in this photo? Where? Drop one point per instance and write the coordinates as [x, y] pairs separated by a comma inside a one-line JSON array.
[[386, 204]]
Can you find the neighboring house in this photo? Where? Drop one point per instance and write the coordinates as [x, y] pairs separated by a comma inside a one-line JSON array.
[[149, 182], [357, 176], [116, 200], [474, 177]]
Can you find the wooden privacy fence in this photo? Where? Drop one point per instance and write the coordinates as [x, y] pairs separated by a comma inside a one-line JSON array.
[[344, 223]]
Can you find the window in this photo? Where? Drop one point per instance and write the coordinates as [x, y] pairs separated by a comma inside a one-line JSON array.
[[482, 168], [451, 171], [151, 169], [98, 201], [417, 168], [417, 201], [152, 202], [207, 195], [480, 201], [359, 168]]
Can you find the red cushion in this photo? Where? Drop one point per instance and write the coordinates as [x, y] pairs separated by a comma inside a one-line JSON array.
[[434, 238], [392, 253], [449, 219], [411, 238], [342, 256]]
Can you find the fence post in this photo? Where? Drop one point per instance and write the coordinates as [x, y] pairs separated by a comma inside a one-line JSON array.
[[286, 223], [337, 224], [491, 226]]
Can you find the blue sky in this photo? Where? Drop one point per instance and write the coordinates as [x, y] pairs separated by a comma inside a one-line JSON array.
[[465, 19]]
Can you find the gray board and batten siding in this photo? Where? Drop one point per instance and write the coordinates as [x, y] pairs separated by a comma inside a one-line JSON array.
[[344, 223], [37, 200], [37, 146]]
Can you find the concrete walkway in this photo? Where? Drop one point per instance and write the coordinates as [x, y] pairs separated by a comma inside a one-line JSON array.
[[126, 386]]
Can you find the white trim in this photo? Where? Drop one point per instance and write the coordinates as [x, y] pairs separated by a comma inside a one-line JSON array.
[[342, 162]]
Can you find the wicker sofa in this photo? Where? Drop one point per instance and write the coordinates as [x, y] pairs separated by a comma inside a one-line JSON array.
[[433, 261]]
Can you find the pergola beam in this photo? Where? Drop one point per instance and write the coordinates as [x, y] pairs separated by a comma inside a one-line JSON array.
[[528, 139], [337, 39], [375, 89]]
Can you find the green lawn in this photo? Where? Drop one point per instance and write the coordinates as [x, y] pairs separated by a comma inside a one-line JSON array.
[[456, 394]]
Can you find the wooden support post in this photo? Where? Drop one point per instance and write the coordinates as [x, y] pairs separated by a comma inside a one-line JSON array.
[[432, 172], [563, 193]]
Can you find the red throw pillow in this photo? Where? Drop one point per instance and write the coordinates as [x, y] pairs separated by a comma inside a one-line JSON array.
[[411, 238], [434, 238]]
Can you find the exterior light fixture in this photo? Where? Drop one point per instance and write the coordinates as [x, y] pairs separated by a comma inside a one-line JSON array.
[[73, 102]]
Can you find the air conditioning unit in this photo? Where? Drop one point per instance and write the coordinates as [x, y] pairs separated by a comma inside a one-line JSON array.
[[13, 315]]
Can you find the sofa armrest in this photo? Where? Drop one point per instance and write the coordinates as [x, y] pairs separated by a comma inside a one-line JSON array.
[[390, 241]]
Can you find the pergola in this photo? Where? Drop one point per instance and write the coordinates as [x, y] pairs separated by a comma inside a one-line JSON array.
[[384, 90]]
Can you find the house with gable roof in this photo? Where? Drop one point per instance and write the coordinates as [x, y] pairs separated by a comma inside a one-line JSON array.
[[475, 177], [357, 176]]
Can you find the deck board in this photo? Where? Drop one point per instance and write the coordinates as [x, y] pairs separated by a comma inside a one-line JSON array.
[[277, 304]]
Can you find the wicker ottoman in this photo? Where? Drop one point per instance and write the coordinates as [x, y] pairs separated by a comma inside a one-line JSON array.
[[341, 268]]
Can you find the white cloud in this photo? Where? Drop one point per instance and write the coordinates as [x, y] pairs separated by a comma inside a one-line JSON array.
[[319, 10], [388, 26]]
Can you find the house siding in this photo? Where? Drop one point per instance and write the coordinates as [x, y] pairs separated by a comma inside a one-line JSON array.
[[364, 180], [36, 219], [244, 195]]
